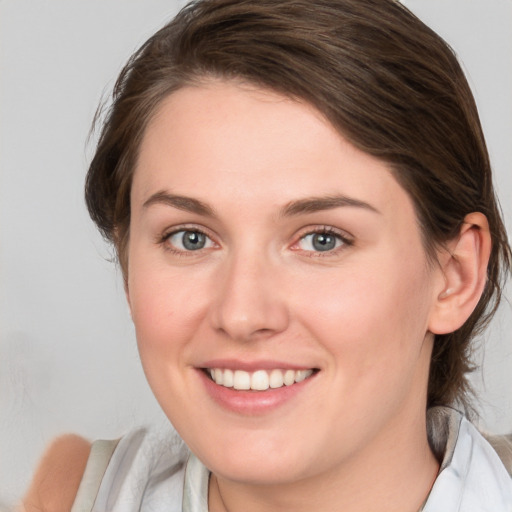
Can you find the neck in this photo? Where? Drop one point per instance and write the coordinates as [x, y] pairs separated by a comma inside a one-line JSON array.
[[393, 473]]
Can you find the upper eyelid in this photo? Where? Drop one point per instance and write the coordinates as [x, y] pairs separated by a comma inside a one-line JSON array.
[[186, 227], [345, 235]]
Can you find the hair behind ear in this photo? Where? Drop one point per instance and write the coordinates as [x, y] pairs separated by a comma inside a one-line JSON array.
[[462, 311]]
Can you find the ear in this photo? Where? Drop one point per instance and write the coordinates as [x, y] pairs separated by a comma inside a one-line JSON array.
[[464, 274]]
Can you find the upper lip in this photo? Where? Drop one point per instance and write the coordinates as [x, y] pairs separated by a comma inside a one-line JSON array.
[[251, 366]]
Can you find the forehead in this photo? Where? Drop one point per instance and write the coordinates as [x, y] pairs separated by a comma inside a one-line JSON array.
[[225, 141]]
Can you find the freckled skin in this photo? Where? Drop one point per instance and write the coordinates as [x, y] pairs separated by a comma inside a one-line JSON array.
[[260, 290]]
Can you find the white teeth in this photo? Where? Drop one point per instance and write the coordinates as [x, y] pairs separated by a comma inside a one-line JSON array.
[[241, 380], [289, 377], [227, 379], [276, 379], [217, 375], [302, 374], [260, 380]]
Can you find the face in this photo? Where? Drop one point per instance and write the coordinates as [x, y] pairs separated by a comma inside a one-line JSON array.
[[278, 284]]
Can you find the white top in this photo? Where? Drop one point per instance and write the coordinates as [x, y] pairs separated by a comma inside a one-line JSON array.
[[150, 472]]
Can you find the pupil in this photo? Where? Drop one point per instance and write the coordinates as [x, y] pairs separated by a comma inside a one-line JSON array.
[[192, 240], [323, 242]]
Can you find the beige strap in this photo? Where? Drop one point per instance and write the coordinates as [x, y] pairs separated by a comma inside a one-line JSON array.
[[99, 458]]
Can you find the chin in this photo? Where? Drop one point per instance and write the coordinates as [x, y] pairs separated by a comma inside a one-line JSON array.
[[258, 471], [254, 458]]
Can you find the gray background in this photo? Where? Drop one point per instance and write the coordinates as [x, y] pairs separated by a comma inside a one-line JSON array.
[[68, 360]]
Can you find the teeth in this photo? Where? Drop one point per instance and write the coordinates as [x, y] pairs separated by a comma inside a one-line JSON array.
[[241, 380], [289, 377], [276, 379], [301, 375], [217, 375], [260, 380], [228, 378]]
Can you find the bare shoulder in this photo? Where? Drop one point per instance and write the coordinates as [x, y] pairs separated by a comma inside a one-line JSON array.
[[58, 475]]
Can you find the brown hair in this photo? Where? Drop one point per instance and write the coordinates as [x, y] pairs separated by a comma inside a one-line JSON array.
[[386, 81]]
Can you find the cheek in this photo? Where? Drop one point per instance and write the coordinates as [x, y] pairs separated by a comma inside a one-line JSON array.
[[166, 310], [167, 306], [373, 315]]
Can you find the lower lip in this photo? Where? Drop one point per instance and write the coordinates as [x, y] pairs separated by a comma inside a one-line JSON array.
[[253, 403]]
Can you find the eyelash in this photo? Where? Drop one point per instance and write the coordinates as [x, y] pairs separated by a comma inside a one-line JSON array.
[[320, 230], [164, 240], [345, 240]]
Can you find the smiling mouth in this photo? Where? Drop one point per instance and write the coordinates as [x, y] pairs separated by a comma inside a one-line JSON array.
[[259, 380]]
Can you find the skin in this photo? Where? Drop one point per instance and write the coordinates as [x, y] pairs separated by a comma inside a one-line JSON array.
[[58, 476], [359, 314]]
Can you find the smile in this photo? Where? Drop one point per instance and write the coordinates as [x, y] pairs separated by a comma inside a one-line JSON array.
[[259, 380]]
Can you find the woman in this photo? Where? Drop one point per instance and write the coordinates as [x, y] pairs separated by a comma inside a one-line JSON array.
[[301, 201]]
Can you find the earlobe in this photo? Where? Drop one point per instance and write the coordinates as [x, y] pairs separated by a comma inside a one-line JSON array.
[[464, 269]]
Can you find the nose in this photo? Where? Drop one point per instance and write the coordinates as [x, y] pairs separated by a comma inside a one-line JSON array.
[[250, 302]]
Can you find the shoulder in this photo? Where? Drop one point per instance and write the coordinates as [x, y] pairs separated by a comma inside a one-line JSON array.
[[146, 470], [472, 476], [145, 466], [58, 475], [502, 444]]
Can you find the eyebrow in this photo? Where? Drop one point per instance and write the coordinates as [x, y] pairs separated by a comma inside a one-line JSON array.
[[317, 204], [185, 203], [293, 208]]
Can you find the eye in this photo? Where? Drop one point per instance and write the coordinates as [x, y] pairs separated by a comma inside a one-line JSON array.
[[322, 241], [189, 240]]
